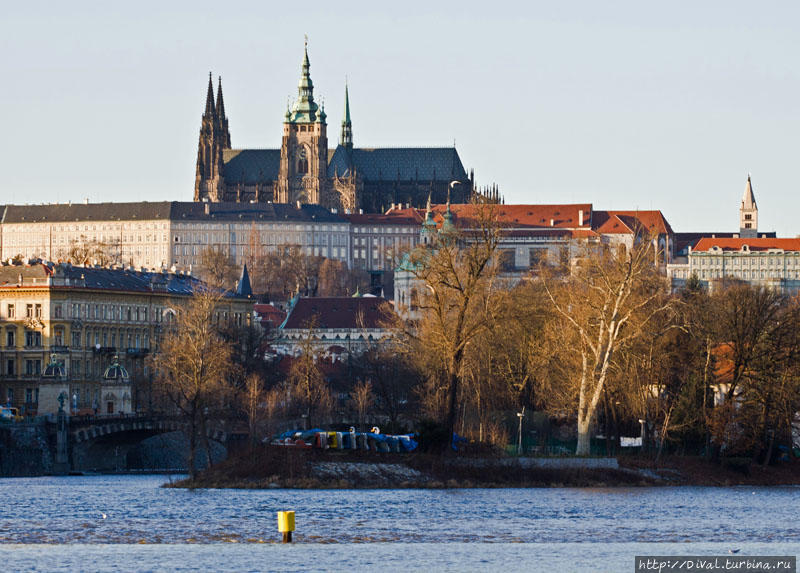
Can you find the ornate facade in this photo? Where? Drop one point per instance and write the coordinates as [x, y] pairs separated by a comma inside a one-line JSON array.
[[307, 170]]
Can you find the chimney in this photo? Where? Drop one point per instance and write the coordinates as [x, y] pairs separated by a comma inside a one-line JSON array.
[[207, 208], [580, 217], [552, 222], [86, 201]]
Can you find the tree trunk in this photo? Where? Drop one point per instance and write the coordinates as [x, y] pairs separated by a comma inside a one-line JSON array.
[[452, 410], [192, 449], [584, 436]]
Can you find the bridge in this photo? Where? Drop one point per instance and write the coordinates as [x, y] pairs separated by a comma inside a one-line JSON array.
[[120, 443]]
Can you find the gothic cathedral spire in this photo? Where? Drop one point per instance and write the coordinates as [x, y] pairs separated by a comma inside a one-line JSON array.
[[222, 119], [210, 110], [346, 136]]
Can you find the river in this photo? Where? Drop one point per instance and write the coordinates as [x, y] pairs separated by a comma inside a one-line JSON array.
[[130, 523]]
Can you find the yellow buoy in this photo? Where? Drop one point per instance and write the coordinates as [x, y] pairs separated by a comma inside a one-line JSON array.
[[286, 525]]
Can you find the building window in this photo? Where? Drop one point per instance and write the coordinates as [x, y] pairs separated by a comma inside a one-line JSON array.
[[76, 339], [11, 311], [58, 337], [10, 338], [11, 369], [33, 367], [38, 310], [748, 217], [33, 338], [57, 313], [29, 311], [748, 225]]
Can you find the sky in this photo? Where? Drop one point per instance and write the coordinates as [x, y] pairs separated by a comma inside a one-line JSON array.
[[625, 105]]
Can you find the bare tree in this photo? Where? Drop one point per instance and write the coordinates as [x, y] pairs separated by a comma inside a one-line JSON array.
[[252, 397], [606, 302], [457, 277], [218, 269], [89, 251], [308, 383], [192, 368], [362, 400]]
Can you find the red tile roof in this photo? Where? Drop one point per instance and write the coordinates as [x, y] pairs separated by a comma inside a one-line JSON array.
[[516, 216], [340, 312], [610, 222], [754, 244], [269, 313]]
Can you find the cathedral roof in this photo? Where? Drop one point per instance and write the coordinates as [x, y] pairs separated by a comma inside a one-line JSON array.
[[251, 166], [404, 163]]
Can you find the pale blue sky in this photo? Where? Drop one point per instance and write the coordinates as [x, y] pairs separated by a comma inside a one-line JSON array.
[[623, 104]]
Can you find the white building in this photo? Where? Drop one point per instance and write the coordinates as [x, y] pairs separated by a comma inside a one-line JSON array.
[[169, 233], [770, 262]]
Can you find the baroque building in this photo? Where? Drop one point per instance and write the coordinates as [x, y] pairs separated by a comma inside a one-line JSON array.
[[85, 332], [306, 169]]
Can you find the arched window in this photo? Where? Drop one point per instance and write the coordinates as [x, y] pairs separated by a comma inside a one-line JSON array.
[[302, 165]]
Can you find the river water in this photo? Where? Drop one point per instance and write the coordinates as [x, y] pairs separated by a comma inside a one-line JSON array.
[[130, 523]]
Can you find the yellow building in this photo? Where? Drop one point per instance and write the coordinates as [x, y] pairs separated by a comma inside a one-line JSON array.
[[96, 324]]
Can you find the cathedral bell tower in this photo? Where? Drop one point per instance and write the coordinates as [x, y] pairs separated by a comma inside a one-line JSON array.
[[304, 149], [209, 182]]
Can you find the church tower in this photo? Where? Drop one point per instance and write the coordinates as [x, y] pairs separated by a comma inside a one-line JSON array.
[[304, 149], [748, 213], [214, 138]]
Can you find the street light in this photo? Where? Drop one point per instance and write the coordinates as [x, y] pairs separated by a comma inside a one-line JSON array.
[[520, 415]]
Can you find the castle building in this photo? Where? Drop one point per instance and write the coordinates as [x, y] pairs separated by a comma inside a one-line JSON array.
[[168, 233], [531, 235], [761, 261], [306, 169], [758, 258]]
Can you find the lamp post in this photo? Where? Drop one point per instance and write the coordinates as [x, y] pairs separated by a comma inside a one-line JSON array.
[[520, 415]]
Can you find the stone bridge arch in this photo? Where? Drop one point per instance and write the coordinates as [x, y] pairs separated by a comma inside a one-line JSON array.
[[111, 444]]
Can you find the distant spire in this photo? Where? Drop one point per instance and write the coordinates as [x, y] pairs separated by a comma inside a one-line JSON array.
[[210, 112], [346, 103], [220, 104], [243, 287], [304, 109], [749, 198], [346, 137]]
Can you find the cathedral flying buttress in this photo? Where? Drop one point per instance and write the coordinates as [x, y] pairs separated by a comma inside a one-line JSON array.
[[306, 170]]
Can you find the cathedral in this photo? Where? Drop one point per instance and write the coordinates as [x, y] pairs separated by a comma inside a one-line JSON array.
[[306, 169]]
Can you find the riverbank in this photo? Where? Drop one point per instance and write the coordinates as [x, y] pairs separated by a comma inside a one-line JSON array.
[[271, 468]]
